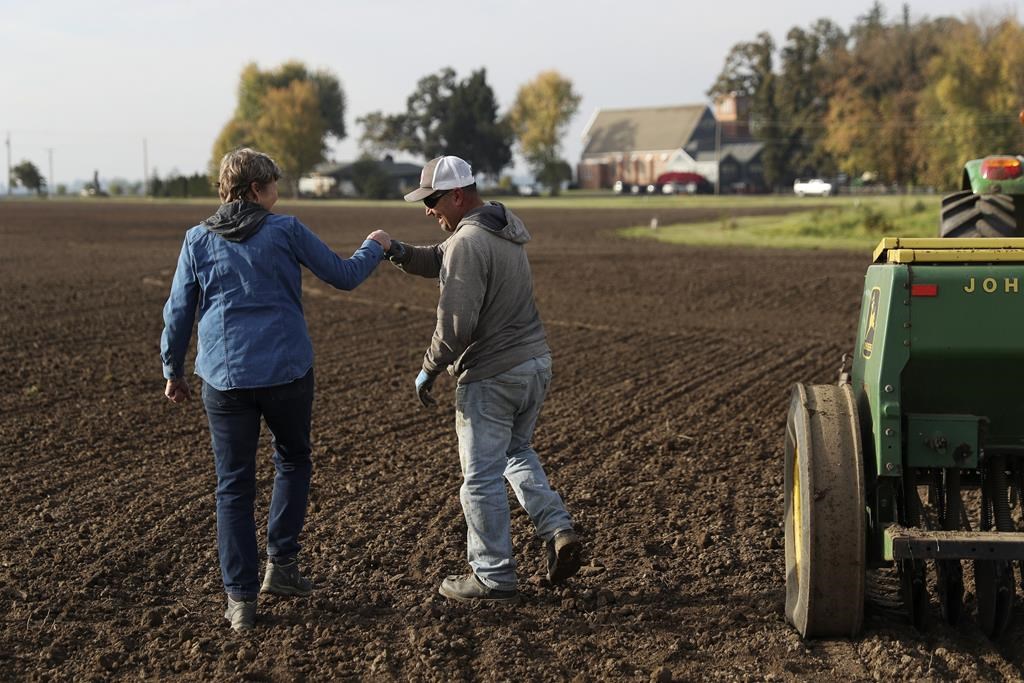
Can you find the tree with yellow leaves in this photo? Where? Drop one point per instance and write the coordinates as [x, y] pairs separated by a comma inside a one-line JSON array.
[[969, 107], [291, 129], [288, 112], [539, 117]]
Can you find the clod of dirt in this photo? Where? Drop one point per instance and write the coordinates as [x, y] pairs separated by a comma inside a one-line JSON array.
[[152, 618], [661, 675]]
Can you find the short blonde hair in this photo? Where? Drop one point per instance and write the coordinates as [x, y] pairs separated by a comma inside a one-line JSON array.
[[240, 168]]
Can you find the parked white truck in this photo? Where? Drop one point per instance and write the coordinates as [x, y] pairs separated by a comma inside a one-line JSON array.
[[816, 187]]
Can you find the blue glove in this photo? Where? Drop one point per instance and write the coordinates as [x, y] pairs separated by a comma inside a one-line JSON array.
[[424, 383]]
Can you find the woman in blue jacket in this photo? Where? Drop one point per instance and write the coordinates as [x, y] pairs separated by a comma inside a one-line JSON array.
[[239, 274]]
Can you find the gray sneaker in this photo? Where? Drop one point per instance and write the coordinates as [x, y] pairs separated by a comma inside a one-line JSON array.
[[241, 614], [468, 588], [285, 579], [564, 555]]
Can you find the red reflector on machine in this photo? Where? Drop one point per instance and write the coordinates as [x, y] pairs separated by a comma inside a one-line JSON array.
[[1000, 168], [924, 290]]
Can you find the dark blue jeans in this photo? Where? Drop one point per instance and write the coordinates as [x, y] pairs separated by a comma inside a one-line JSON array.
[[234, 417]]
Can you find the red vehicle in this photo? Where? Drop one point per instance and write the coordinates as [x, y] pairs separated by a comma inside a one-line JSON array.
[[679, 182]]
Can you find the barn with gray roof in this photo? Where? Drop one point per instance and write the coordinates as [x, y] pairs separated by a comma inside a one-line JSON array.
[[638, 145]]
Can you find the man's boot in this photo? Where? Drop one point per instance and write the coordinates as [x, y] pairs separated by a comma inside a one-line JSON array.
[[564, 555]]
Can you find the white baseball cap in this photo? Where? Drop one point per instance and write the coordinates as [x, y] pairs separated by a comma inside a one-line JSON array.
[[442, 173]]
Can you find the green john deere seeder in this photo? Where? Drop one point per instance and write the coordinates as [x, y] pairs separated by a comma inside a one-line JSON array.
[[915, 458]]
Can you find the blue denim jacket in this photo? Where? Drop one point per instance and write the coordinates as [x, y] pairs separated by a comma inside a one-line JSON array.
[[248, 298]]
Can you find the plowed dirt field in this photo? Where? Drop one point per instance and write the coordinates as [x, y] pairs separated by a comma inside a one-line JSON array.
[[663, 432]]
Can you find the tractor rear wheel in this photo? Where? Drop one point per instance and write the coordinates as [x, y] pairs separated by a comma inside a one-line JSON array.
[[824, 515], [966, 214]]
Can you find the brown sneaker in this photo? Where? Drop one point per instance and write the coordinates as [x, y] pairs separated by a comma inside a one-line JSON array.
[[468, 588], [564, 551]]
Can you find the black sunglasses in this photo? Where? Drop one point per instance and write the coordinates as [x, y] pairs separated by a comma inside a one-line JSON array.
[[431, 201]]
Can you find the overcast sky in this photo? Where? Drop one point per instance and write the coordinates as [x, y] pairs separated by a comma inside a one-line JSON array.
[[91, 80]]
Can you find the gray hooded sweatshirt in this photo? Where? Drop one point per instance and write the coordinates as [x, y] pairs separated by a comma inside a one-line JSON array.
[[487, 320]]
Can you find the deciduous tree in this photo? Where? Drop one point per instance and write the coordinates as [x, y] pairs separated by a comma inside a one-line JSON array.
[[802, 94], [539, 117], [747, 65], [906, 101], [254, 85], [444, 116], [235, 133], [969, 106], [291, 129], [28, 176], [370, 180], [254, 92], [872, 122], [748, 72]]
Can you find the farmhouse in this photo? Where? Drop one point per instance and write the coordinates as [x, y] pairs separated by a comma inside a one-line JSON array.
[[367, 177], [637, 146]]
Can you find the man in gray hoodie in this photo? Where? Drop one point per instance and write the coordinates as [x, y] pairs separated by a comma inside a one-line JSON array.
[[490, 337]]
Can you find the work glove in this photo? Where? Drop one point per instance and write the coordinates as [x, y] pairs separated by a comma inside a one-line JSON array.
[[397, 254], [424, 383]]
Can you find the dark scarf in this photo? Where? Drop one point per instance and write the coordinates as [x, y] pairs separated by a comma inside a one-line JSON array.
[[237, 221]]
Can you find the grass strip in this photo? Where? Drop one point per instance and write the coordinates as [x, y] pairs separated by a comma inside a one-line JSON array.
[[842, 223]]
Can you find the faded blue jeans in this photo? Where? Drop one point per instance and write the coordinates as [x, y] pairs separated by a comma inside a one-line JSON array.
[[234, 417], [494, 420]]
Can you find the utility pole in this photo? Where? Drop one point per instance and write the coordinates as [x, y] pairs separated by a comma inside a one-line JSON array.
[[8, 162], [718, 155], [145, 169], [49, 183]]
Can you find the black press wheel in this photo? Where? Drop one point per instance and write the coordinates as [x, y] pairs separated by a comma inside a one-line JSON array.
[[913, 581], [824, 515], [993, 579], [966, 214], [949, 574], [914, 591]]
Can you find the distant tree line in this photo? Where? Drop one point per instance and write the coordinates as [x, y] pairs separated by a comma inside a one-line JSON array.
[[177, 185], [27, 175], [173, 184], [907, 103], [290, 112]]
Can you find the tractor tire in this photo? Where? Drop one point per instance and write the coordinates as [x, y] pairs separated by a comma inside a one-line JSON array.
[[966, 214], [824, 513]]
